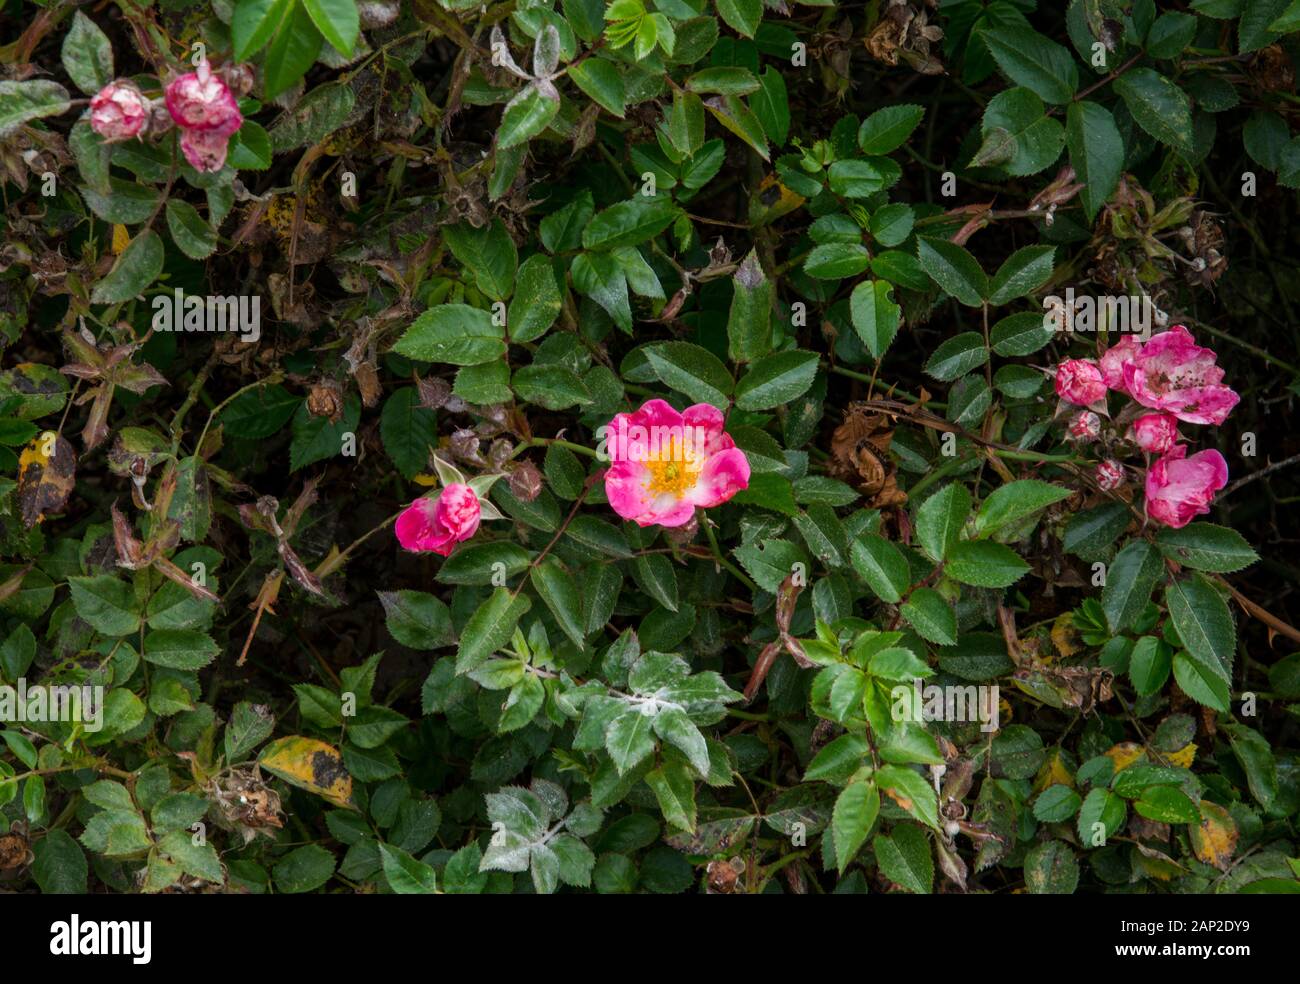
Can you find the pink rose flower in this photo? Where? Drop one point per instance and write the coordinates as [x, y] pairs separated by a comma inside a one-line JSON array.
[[666, 463], [1085, 426], [1116, 358], [206, 151], [1079, 381], [203, 101], [1110, 475], [439, 523], [1180, 488], [119, 111], [1155, 432], [1173, 373]]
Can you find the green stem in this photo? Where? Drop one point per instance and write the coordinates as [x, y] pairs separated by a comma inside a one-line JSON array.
[[717, 555]]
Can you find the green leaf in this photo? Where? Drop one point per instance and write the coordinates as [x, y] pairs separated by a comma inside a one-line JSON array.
[[21, 102], [1056, 804], [742, 16], [1203, 622], [953, 269], [1255, 29], [1202, 681], [1029, 59], [882, 566], [885, 130], [602, 81], [1096, 151], [180, 649], [406, 875], [1255, 755], [1102, 807], [854, 814], [904, 858], [337, 20], [1172, 32], [1206, 547], [60, 865], [526, 115], [1024, 271], [1018, 135], [985, 564], [253, 24], [874, 314], [106, 603], [1149, 665], [1159, 107], [87, 55], [537, 300], [655, 575], [674, 790], [408, 431], [855, 179], [1130, 579], [692, 370], [303, 869], [940, 519], [490, 628], [771, 104], [629, 223], [1015, 501], [489, 253], [629, 739], [418, 619], [190, 231], [911, 792], [957, 356], [133, 271], [932, 616], [835, 261], [552, 386], [749, 320], [733, 114], [453, 333], [776, 379], [557, 589], [293, 50], [250, 149]]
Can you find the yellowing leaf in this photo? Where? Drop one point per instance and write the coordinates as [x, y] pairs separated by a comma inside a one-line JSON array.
[[1053, 772], [121, 239], [1064, 638], [1125, 754], [1184, 756], [47, 473], [311, 765], [429, 480], [1215, 838]]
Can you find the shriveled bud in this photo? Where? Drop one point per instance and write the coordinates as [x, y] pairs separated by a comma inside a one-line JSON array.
[[326, 400], [526, 481]]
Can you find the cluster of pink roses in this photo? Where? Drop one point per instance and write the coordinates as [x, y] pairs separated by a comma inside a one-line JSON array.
[[200, 103], [1178, 380], [667, 465]]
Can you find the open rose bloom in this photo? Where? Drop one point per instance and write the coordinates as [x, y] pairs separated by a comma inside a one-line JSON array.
[[665, 463], [1180, 488], [1172, 373], [207, 113]]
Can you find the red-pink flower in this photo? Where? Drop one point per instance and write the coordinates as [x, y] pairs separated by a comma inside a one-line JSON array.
[[1173, 373], [1079, 381], [1085, 426], [119, 111], [1155, 432], [666, 463], [200, 100], [439, 523], [206, 151], [1114, 360], [1110, 475], [1180, 488]]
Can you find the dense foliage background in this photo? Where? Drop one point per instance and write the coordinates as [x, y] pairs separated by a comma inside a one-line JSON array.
[[486, 229]]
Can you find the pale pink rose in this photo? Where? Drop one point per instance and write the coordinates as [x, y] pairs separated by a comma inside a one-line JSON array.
[[1079, 381], [1155, 432], [1173, 373], [202, 101], [664, 464], [1085, 426], [119, 111], [1110, 475], [1118, 356], [206, 151], [1180, 488], [439, 523]]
